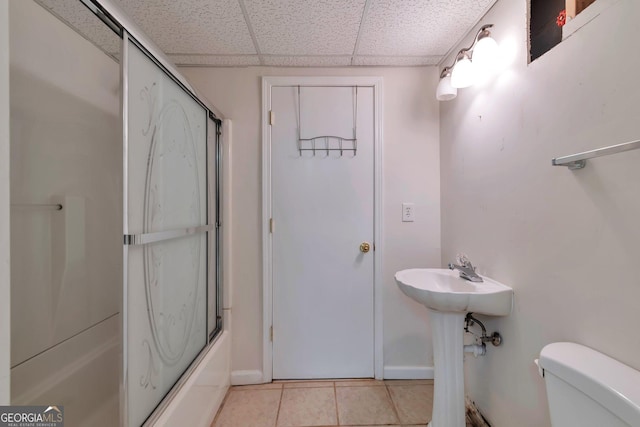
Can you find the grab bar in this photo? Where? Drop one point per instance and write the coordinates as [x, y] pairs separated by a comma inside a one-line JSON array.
[[44, 206], [578, 161]]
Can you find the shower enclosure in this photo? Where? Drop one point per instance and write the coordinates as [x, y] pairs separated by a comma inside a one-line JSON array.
[[115, 216]]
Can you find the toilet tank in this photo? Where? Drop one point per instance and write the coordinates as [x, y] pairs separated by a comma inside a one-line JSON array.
[[589, 389]]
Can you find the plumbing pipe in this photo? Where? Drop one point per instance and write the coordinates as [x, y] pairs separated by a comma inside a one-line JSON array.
[[470, 321], [476, 349], [494, 338]]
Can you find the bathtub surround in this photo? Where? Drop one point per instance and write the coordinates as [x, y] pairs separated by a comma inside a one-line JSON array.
[[410, 173], [562, 239], [5, 300], [66, 264]]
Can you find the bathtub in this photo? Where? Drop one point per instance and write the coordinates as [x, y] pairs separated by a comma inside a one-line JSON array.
[[196, 402]]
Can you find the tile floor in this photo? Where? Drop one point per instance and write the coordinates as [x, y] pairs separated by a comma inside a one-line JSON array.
[[328, 403]]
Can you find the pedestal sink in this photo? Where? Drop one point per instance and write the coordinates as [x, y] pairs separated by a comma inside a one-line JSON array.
[[448, 298]]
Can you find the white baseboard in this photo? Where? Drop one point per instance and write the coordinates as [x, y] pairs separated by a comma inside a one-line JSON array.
[[408, 372], [390, 373], [246, 377]]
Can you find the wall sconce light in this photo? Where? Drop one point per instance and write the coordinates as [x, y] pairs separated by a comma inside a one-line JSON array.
[[446, 91], [469, 64], [463, 73], [485, 51]]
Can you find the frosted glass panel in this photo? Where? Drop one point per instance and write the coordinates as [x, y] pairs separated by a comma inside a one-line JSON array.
[[167, 190], [167, 151], [66, 217]]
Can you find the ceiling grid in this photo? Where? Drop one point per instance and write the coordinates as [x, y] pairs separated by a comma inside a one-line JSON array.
[[251, 31], [362, 23], [292, 33]]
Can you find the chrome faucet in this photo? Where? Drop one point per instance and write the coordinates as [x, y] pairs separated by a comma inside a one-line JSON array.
[[466, 269]]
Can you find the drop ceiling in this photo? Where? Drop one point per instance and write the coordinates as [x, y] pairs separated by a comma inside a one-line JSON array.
[[293, 33]]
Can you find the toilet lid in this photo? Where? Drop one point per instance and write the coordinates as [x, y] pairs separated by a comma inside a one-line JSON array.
[[614, 385]]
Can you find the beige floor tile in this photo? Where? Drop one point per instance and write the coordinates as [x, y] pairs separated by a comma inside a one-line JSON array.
[[249, 408], [308, 384], [359, 383], [307, 407], [414, 403], [267, 386], [365, 405]]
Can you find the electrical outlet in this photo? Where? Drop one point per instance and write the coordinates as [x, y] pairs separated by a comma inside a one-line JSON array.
[[408, 212]]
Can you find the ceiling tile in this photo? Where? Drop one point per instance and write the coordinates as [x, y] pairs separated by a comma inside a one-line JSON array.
[[216, 60], [403, 61], [305, 27], [81, 19], [418, 27], [291, 33], [193, 26], [307, 61]]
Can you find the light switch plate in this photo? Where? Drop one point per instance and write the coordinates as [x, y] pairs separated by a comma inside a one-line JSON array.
[[408, 212]]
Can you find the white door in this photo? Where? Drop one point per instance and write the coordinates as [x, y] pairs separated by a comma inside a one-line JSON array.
[[323, 210]]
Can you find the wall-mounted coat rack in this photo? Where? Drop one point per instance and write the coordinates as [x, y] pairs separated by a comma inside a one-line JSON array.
[[341, 145]]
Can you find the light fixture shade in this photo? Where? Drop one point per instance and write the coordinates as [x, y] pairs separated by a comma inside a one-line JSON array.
[[446, 92], [485, 54], [463, 74]]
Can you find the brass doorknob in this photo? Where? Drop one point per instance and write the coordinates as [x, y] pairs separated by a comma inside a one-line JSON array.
[[365, 247]]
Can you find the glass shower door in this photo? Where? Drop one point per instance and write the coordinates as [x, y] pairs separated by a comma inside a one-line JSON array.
[[166, 232], [66, 211]]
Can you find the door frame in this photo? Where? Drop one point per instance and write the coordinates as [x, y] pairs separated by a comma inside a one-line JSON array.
[[267, 253]]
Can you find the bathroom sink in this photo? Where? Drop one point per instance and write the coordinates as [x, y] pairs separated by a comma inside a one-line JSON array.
[[448, 298], [443, 290]]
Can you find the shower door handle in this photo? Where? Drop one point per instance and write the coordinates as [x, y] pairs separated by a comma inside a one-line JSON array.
[[159, 236]]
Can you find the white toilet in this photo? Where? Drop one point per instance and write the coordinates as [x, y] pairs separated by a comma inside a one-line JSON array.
[[588, 389]]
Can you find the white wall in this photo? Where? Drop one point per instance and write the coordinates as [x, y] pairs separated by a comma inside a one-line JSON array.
[[411, 174], [567, 242], [5, 300]]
